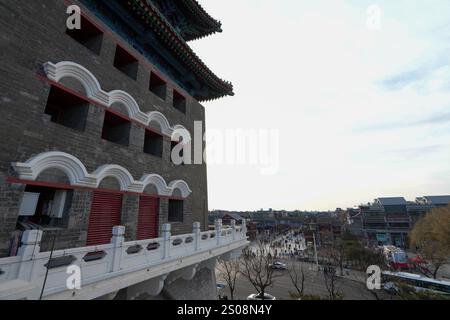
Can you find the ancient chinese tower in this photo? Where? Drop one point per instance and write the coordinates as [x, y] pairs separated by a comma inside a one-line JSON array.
[[87, 124]]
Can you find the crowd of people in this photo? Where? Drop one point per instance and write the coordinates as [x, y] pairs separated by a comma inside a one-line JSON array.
[[284, 245]]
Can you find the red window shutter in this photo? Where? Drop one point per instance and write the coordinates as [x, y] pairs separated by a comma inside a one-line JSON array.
[[105, 214], [148, 218]]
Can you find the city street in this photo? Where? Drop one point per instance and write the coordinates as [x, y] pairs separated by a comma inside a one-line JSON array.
[[314, 285]]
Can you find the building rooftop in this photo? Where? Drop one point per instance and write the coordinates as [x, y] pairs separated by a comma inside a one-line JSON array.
[[234, 216], [171, 35], [189, 18], [394, 201], [437, 200]]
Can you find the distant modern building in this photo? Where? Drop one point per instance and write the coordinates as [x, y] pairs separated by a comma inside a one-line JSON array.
[[388, 221]]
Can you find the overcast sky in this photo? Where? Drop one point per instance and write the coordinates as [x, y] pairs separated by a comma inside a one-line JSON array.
[[361, 113]]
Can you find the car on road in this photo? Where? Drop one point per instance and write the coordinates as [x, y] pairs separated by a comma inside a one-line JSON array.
[[260, 297], [279, 266], [220, 286], [390, 288]]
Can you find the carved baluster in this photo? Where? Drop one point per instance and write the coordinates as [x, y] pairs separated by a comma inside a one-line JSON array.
[[218, 230], [117, 240], [31, 246], [197, 232], [166, 234]]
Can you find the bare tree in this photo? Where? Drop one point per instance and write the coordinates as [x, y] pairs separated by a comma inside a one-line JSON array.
[[229, 271], [361, 258], [332, 257], [331, 282], [297, 276], [342, 249], [339, 253], [256, 267]]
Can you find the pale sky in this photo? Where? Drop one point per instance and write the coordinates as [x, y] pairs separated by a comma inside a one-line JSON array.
[[360, 113]]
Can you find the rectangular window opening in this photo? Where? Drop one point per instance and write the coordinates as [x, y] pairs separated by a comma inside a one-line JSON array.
[[126, 63], [179, 102], [89, 36], [158, 86], [153, 144], [176, 210], [45, 206], [116, 129], [67, 109]]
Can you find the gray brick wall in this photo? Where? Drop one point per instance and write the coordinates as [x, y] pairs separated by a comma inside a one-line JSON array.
[[33, 32], [130, 213]]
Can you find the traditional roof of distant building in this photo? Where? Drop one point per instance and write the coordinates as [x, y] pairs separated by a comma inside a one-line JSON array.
[[393, 201], [437, 200], [234, 216]]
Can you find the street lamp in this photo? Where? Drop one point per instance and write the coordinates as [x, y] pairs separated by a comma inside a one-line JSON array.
[[315, 246]]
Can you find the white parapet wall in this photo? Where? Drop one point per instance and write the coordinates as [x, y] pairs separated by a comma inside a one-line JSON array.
[[99, 271]]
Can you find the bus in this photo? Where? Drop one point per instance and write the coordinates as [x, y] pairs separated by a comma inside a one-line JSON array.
[[418, 282], [395, 257]]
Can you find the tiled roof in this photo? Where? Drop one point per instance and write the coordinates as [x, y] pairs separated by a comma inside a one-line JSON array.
[[235, 216], [204, 18], [392, 201], [151, 16], [438, 200]]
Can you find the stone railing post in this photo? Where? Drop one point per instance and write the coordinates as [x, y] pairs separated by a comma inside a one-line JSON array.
[[117, 240], [218, 226], [31, 245], [166, 234], [233, 229], [196, 231], [244, 229]]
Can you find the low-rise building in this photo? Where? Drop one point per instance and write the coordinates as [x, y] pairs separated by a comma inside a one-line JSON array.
[[388, 221]]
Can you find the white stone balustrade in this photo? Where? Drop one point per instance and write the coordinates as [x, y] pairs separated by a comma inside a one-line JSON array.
[[146, 259]]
